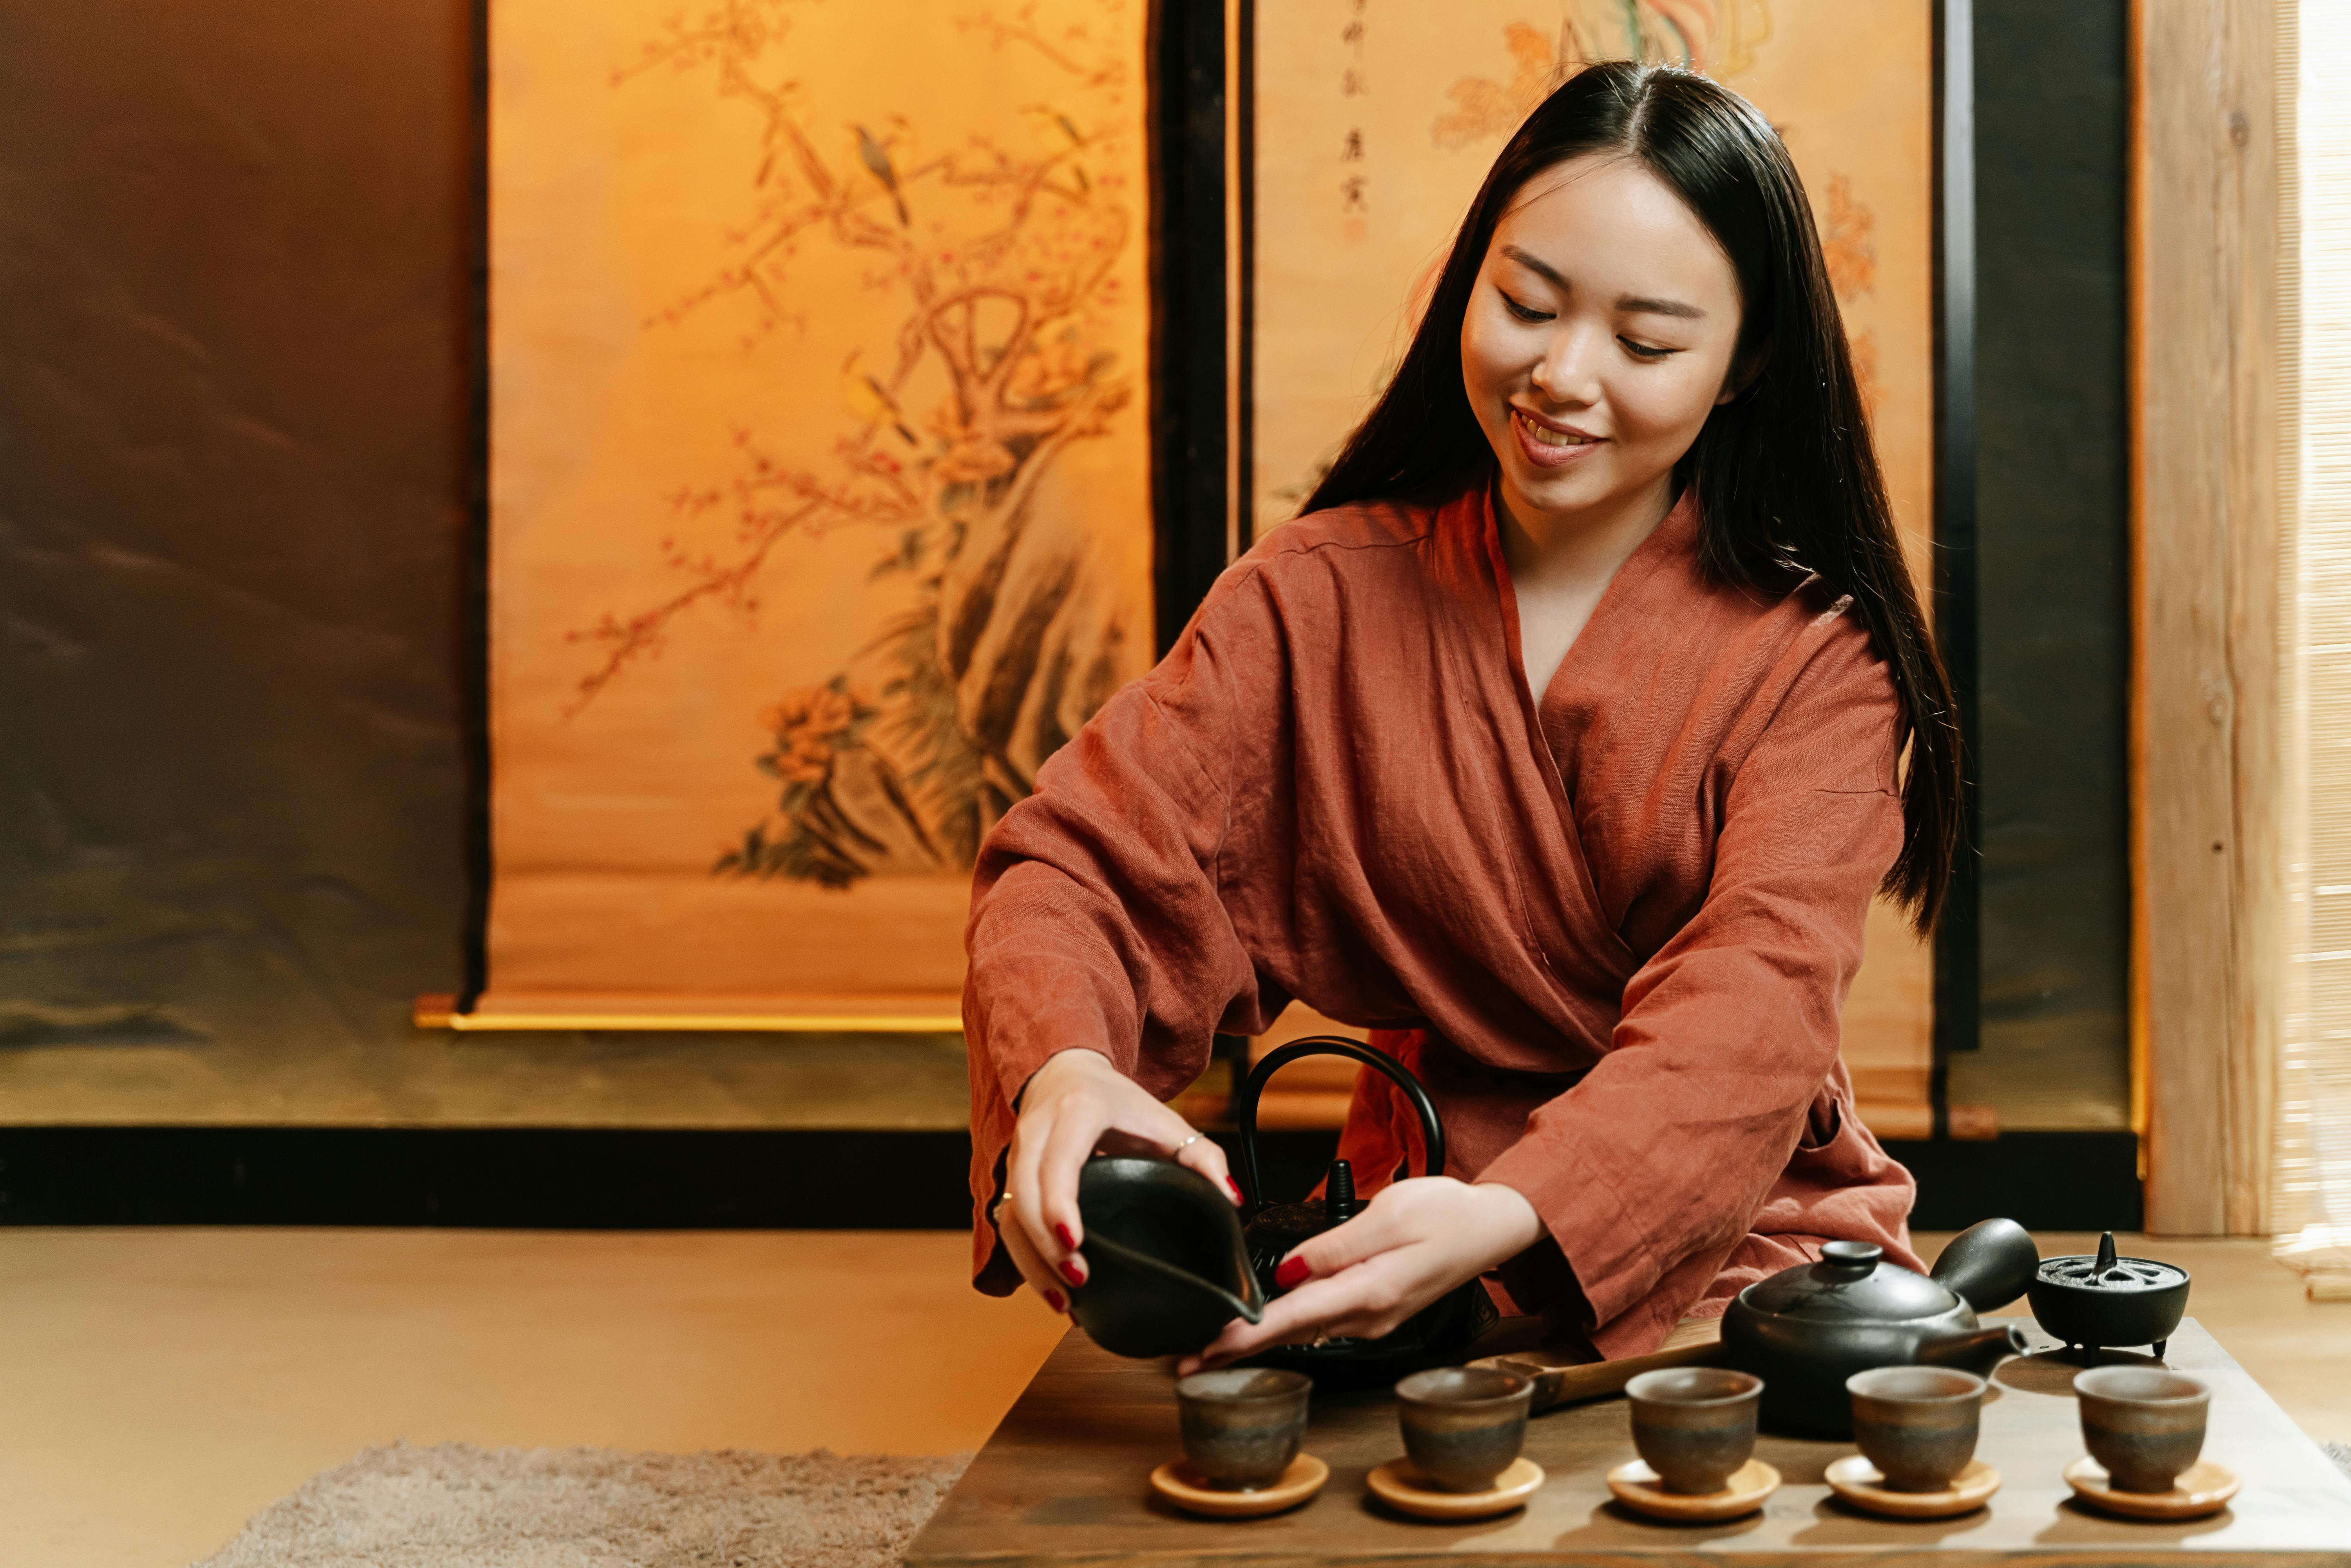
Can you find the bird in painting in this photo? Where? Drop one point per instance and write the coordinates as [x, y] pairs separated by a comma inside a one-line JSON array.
[[876, 157], [869, 400]]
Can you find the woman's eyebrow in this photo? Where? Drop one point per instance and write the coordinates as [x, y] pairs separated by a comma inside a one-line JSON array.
[[1537, 266], [1630, 303], [1634, 302]]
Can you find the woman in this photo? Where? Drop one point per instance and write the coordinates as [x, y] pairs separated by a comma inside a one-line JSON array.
[[1559, 741]]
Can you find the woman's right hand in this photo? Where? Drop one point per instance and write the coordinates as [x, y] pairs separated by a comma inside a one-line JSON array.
[[1076, 1104]]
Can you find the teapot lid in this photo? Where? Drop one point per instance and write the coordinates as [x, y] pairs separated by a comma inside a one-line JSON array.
[[1279, 1227], [1852, 1282]]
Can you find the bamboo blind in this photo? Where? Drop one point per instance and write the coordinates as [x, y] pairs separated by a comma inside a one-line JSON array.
[[2311, 1197]]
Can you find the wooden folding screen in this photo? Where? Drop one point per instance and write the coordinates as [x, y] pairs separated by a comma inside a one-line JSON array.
[[819, 491]]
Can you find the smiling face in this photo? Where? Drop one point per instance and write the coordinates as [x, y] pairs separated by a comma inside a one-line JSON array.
[[1600, 335]]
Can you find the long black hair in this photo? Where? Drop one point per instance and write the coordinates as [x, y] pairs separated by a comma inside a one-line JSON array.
[[1784, 473]]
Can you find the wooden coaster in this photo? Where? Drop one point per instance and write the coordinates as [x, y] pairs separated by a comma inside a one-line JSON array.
[[1175, 1482], [1636, 1486], [1856, 1480], [2204, 1487], [1397, 1484]]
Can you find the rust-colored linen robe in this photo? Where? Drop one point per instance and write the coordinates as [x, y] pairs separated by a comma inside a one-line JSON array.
[[1612, 930]]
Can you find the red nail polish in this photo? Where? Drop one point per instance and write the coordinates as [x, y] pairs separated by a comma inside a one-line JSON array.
[[1235, 1188], [1054, 1298], [1068, 1240], [1291, 1274], [1069, 1272]]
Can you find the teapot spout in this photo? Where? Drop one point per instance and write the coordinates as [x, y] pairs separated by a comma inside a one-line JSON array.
[[1977, 1351]]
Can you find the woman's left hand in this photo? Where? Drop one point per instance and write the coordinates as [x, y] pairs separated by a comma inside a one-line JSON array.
[[1413, 1241]]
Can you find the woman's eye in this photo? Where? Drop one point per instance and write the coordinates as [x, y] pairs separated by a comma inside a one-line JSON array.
[[1646, 350], [1524, 312]]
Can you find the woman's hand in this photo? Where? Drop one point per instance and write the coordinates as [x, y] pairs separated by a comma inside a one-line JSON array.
[[1415, 1241], [1074, 1104]]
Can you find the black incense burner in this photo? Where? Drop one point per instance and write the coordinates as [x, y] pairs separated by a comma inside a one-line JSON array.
[[2097, 1303]]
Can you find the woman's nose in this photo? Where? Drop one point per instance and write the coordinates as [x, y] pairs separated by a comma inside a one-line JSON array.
[[1568, 371]]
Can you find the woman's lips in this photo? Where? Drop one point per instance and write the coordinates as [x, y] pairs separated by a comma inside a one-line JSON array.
[[1549, 446]]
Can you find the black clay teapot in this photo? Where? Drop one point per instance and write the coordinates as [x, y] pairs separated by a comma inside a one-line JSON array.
[[1807, 1329], [1168, 1266], [1439, 1333], [1172, 1263]]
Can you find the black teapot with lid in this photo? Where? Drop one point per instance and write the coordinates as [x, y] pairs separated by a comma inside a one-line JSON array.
[[1807, 1329], [1439, 1333], [1173, 1263]]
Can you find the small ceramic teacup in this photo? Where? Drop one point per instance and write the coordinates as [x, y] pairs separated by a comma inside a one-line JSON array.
[[2144, 1424], [1242, 1426], [1695, 1426], [1917, 1424], [1463, 1426]]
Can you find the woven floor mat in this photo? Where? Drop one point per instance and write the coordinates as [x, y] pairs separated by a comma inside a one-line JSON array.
[[456, 1506]]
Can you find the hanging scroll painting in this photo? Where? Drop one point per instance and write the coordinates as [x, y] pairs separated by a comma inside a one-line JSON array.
[[1375, 120], [820, 508]]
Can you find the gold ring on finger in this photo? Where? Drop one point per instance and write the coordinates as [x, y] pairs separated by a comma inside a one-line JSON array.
[[1187, 1143]]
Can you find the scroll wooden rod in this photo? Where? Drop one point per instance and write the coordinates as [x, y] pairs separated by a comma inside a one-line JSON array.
[[439, 1010]]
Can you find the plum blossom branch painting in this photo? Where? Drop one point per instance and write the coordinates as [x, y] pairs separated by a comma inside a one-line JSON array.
[[1002, 301], [873, 532]]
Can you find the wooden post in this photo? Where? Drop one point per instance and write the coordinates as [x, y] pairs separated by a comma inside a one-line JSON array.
[[2205, 724]]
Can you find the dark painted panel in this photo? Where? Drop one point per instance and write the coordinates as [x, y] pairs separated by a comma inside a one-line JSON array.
[[2044, 1181], [2053, 476], [232, 410], [534, 1178], [1187, 310], [563, 1179]]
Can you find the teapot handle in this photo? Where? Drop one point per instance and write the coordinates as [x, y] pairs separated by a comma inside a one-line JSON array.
[[1432, 1132]]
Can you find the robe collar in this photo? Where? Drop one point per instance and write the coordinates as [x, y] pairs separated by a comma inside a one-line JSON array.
[[1578, 924], [1672, 543]]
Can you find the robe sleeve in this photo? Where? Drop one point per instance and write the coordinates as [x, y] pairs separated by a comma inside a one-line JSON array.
[[1659, 1159], [1096, 917]]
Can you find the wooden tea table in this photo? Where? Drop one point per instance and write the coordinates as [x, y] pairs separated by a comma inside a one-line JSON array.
[[1063, 1481]]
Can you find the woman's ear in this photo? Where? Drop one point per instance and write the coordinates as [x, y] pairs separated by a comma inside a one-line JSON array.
[[1744, 368]]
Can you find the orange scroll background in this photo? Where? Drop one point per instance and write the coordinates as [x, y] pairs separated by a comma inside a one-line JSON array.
[[818, 489], [1374, 123]]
